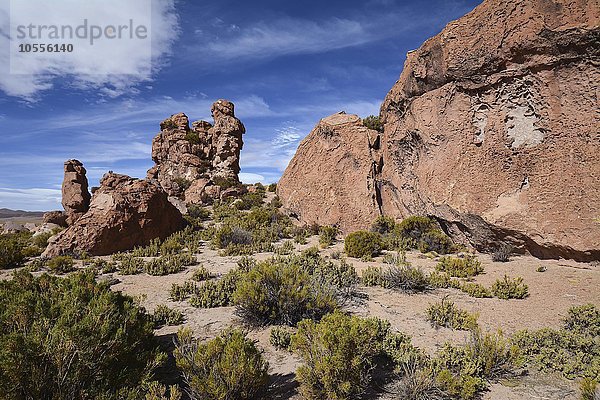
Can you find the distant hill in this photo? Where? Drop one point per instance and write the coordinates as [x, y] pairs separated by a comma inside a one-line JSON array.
[[8, 213]]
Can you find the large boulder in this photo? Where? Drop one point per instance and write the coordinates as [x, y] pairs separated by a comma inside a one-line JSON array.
[[331, 178], [124, 212], [189, 161], [492, 129], [75, 194]]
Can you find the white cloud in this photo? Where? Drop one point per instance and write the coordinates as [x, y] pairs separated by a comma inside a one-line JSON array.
[[249, 177], [32, 199], [113, 67]]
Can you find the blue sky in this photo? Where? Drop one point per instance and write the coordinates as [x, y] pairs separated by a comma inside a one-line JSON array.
[[284, 64]]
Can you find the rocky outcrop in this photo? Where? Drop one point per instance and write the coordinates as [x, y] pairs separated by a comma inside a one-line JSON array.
[[75, 194], [124, 213], [56, 217], [331, 179], [492, 129], [190, 162]]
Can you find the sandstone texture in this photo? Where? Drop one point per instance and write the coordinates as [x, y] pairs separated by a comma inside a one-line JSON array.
[[75, 194], [124, 212], [492, 128], [191, 161]]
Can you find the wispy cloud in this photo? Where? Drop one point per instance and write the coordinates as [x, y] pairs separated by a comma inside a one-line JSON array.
[[34, 198]]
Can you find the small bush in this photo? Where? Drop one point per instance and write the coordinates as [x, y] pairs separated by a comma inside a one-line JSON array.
[[475, 290], [541, 268], [13, 250], [573, 350], [502, 253], [182, 292], [460, 267], [446, 314], [327, 235], [508, 288], [338, 353], [372, 276], [281, 293], [164, 315], [169, 264], [201, 274], [363, 244], [197, 212], [397, 259], [249, 200], [272, 188], [280, 338], [182, 183], [383, 225], [589, 389], [437, 241], [285, 249], [415, 227], [373, 122], [192, 137], [129, 264], [61, 264], [226, 368], [440, 280], [219, 293], [406, 279]]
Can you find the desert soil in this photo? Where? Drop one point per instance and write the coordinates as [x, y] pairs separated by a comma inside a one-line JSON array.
[[564, 284]]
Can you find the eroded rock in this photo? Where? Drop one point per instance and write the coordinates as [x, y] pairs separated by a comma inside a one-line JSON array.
[[492, 129], [75, 194], [124, 212]]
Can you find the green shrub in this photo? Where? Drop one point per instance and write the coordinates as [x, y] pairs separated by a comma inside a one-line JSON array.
[[61, 264], [373, 122], [281, 293], [201, 274], [447, 314], [12, 250], [437, 241], [460, 267], [372, 276], [573, 350], [405, 278], [361, 244], [198, 212], [226, 368], [163, 315], [589, 389], [397, 258], [272, 187], [280, 338], [169, 264], [182, 292], [285, 249], [340, 276], [219, 293], [192, 137], [327, 235], [71, 338], [156, 391], [225, 183], [129, 264], [508, 288], [475, 290], [440, 280], [182, 183], [383, 225], [462, 372], [338, 353], [415, 227], [249, 200]]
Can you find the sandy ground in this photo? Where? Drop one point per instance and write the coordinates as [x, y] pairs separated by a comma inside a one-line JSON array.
[[564, 284]]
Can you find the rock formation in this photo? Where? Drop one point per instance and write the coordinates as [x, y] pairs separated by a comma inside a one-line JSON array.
[[124, 212], [492, 129], [75, 195], [192, 162], [331, 179], [56, 217]]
